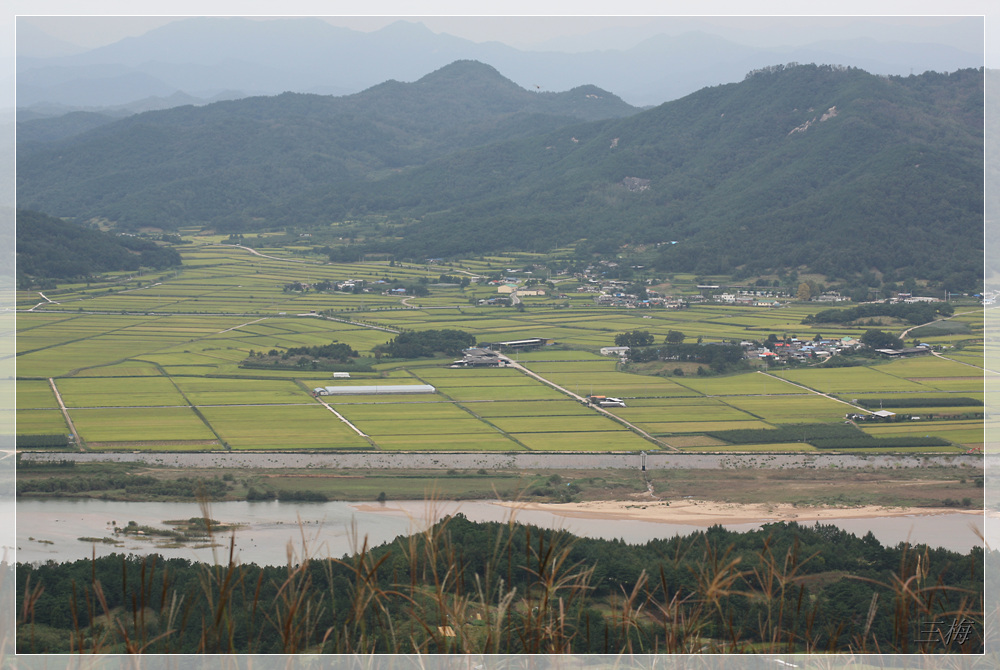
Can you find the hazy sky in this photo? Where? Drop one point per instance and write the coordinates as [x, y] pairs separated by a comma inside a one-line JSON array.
[[567, 32]]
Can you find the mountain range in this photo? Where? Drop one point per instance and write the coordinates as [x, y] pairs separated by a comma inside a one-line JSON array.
[[205, 59], [821, 167]]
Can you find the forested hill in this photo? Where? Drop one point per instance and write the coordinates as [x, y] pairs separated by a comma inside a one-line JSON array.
[[819, 167], [49, 249], [227, 162], [831, 169], [510, 588]]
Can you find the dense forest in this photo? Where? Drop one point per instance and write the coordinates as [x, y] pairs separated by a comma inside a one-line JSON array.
[[890, 180], [823, 168], [425, 343], [498, 588], [50, 250], [229, 162]]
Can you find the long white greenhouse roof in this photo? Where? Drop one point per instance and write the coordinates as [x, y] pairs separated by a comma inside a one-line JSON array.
[[378, 390]]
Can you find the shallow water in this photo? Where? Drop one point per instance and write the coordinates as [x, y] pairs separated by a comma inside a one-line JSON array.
[[272, 531]]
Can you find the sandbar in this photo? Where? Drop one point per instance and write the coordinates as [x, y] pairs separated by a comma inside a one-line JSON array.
[[707, 513]]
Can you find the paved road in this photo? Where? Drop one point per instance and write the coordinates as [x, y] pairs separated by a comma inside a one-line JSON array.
[[906, 332], [518, 460], [273, 258]]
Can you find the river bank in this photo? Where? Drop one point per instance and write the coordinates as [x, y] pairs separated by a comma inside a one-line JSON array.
[[931, 485]]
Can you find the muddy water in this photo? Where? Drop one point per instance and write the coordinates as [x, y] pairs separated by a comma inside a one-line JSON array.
[[272, 531]]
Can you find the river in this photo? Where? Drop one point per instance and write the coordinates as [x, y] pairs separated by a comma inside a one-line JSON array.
[[271, 531]]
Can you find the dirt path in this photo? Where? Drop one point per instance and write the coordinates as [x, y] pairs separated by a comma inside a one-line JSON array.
[[243, 324], [46, 299], [344, 419], [630, 426], [65, 413], [273, 258]]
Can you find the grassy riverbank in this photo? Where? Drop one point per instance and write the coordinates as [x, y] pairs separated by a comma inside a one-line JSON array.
[[932, 486]]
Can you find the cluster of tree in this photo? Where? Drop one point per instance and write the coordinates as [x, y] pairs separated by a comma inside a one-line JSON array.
[[324, 285], [643, 338], [128, 485], [300, 496], [52, 441], [49, 250], [718, 356], [877, 339], [634, 338], [425, 344], [333, 357], [44, 465], [337, 351], [510, 588], [462, 281], [172, 238], [911, 312], [417, 288]]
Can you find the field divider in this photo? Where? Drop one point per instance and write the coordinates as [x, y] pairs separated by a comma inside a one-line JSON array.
[[340, 416], [194, 408], [474, 415], [617, 419], [65, 412], [346, 421], [248, 323], [745, 411], [953, 360], [811, 390], [362, 324]]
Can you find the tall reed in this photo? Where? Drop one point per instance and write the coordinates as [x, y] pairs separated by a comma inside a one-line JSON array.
[[523, 592]]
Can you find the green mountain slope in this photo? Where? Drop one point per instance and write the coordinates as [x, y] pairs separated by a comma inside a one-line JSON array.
[[52, 249], [223, 163], [825, 168], [835, 170]]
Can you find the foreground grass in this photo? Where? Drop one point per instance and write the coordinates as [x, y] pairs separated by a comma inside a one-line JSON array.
[[463, 587]]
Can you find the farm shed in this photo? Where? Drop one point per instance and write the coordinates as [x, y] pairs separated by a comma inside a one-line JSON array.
[[919, 350], [373, 390], [526, 344], [477, 357]]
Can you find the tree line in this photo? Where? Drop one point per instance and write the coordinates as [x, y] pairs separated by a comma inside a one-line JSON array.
[[510, 588], [425, 344]]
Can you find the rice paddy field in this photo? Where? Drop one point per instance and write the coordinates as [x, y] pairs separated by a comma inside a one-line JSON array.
[[156, 363]]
